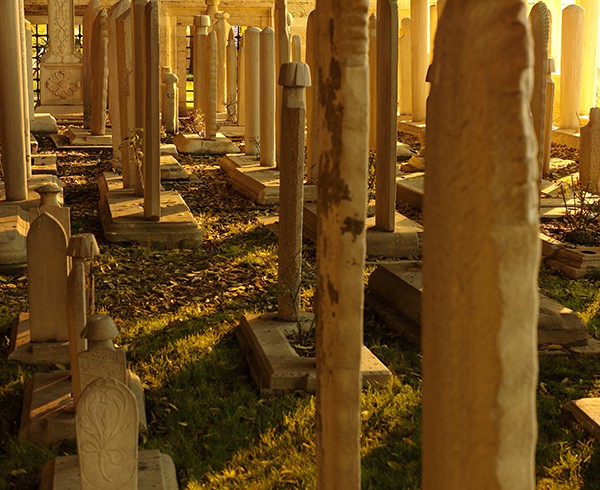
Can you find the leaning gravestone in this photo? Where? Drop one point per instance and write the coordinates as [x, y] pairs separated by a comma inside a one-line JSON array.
[[589, 158], [108, 456]]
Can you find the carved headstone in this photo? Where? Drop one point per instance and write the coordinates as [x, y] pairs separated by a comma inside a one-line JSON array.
[[589, 153], [480, 299], [539, 18], [342, 153], [47, 277], [107, 436], [267, 97]]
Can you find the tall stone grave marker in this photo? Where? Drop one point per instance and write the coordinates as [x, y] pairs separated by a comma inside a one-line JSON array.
[[311, 94], [99, 74], [201, 27], [89, 18], [405, 68], [221, 27], [170, 106], [252, 89], [282, 55], [571, 64], [373, 81], [419, 14], [211, 84], [589, 63], [232, 82], [342, 153], [267, 97], [387, 115], [482, 254]]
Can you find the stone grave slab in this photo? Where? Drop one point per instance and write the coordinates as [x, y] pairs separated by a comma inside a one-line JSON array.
[[396, 290], [168, 149], [171, 169], [47, 415], [122, 217], [62, 142], [43, 163], [194, 145], [23, 350], [43, 124], [257, 183], [568, 137], [410, 189], [83, 137], [413, 128], [586, 412], [232, 131], [156, 471], [403, 242], [275, 365]]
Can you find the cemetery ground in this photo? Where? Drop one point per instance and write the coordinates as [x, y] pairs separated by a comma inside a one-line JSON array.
[[177, 311]]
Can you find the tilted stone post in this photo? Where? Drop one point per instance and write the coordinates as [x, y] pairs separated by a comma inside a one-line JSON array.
[[294, 78], [89, 18], [170, 106], [481, 255], [387, 114], [26, 67], [232, 74], [589, 154], [342, 153], [419, 15], [267, 97]]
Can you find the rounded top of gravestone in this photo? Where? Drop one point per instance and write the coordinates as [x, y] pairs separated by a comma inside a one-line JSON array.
[[295, 75], [267, 31], [83, 245], [221, 15], [100, 327], [202, 20], [49, 194], [290, 19]]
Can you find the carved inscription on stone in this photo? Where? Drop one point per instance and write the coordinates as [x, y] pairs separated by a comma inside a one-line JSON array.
[[101, 363]]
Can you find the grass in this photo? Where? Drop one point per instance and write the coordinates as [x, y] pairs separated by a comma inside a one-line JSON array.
[[177, 311]]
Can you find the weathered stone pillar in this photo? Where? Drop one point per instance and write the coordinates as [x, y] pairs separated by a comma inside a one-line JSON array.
[[342, 152], [99, 74], [25, 31], [151, 114], [296, 49], [311, 94], [242, 82], [267, 97], [210, 73], [114, 107], [201, 27], [294, 78], [570, 66], [212, 7], [539, 19], [252, 82], [222, 28], [419, 14], [549, 118], [232, 74], [29, 70], [137, 29], [433, 23], [282, 55], [170, 106], [405, 68], [555, 7], [12, 117], [589, 63], [589, 155], [373, 81], [480, 267], [387, 115], [440, 5], [89, 18]]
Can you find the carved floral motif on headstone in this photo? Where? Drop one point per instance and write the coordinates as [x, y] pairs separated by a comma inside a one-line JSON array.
[[62, 84]]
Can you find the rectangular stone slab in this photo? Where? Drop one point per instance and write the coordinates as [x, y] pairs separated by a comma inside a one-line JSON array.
[[156, 471], [275, 365], [24, 351], [586, 412], [122, 217]]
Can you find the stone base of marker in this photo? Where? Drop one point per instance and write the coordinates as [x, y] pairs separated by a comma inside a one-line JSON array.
[[395, 292], [43, 163], [232, 130], [410, 189], [275, 365], [413, 128], [403, 242], [83, 137], [122, 216], [155, 470], [257, 183], [567, 137], [14, 220], [171, 169], [43, 123], [23, 350], [194, 145], [47, 416], [586, 412]]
